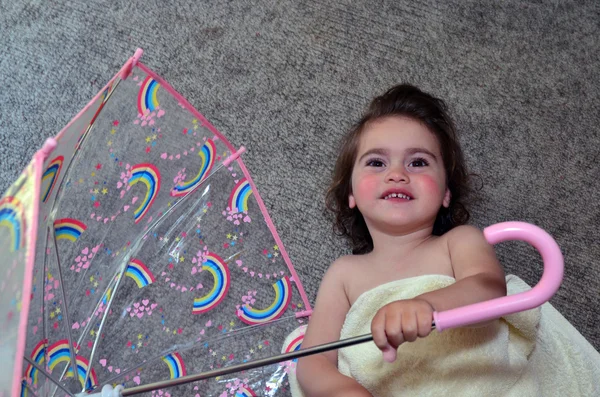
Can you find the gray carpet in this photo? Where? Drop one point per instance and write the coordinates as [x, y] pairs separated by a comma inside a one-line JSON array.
[[286, 79]]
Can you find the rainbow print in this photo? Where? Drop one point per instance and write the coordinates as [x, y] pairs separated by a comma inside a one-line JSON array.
[[222, 279], [24, 391], [11, 217], [107, 296], [245, 392], [137, 271], [283, 295], [58, 353], [147, 174], [238, 199], [37, 355], [294, 345], [51, 176], [147, 100], [68, 229], [207, 155], [82, 368], [175, 364]]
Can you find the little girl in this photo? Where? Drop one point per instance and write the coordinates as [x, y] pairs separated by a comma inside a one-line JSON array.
[[397, 194]]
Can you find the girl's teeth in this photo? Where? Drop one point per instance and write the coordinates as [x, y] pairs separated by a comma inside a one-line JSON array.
[[400, 195]]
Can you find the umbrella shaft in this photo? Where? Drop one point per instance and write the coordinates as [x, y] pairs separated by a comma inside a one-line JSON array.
[[251, 365]]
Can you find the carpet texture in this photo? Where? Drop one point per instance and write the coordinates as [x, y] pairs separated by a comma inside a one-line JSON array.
[[286, 79]]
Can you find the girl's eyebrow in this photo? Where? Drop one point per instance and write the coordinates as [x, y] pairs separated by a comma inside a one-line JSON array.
[[409, 151], [415, 150], [381, 152]]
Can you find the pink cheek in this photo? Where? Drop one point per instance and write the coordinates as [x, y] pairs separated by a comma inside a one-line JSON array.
[[430, 185], [366, 186]]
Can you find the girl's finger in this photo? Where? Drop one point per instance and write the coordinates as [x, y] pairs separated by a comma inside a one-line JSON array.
[[409, 326], [424, 324], [393, 328], [378, 330]]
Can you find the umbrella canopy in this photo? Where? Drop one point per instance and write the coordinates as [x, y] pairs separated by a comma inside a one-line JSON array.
[[138, 249]]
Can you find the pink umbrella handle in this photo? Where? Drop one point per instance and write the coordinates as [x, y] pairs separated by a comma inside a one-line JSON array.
[[541, 293]]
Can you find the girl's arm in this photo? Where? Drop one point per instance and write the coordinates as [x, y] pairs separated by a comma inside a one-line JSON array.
[[479, 277], [318, 375]]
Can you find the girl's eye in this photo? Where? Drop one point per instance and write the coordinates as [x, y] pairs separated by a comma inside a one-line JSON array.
[[420, 162], [375, 163]]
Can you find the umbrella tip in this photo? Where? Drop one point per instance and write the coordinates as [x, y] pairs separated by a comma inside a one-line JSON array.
[[137, 55], [49, 147], [131, 63]]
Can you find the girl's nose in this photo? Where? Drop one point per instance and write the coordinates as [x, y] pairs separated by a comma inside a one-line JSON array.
[[397, 174]]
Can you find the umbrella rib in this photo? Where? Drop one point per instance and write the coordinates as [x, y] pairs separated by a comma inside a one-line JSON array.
[[44, 310], [104, 316], [66, 307], [44, 272], [49, 376]]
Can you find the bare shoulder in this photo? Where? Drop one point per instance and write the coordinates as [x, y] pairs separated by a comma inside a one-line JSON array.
[[470, 253], [330, 308], [340, 270], [343, 262], [460, 233]]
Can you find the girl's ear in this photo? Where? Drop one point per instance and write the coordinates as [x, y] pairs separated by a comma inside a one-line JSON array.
[[447, 198], [351, 201]]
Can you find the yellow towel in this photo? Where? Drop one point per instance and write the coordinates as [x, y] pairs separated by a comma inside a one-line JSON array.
[[532, 353]]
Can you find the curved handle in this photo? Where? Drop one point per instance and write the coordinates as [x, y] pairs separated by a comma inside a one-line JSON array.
[[541, 293]]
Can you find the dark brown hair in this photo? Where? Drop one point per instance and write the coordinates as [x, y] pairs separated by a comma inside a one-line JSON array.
[[403, 101]]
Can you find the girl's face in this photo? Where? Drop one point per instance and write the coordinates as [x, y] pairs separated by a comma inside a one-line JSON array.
[[398, 180]]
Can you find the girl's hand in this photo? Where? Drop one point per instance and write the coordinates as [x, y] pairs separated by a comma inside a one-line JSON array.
[[399, 322]]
